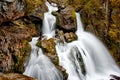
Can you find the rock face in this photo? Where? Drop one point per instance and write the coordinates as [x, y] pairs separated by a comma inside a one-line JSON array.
[[11, 11], [66, 19], [14, 46], [20, 20], [15, 76]]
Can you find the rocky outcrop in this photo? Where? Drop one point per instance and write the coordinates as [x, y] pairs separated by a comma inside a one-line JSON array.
[[20, 20], [14, 46], [66, 19], [70, 37], [48, 46], [11, 10], [14, 76]]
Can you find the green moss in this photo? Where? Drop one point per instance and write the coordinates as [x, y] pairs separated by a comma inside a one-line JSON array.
[[74, 17], [48, 46], [20, 59], [31, 5]]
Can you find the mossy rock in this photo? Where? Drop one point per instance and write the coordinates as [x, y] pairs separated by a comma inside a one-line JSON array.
[[48, 46]]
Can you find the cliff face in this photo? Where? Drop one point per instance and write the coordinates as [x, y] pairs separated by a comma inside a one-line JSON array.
[[20, 20]]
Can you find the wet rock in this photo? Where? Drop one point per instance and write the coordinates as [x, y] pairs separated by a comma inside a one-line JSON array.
[[15, 76], [47, 45], [66, 19], [115, 77], [70, 37]]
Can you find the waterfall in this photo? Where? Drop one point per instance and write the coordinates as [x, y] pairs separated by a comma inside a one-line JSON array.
[[39, 66], [84, 59], [98, 63], [48, 29]]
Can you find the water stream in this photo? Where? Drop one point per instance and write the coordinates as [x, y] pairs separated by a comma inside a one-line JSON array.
[[84, 59], [98, 63], [40, 66]]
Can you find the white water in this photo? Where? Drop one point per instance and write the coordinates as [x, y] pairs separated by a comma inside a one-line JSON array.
[[40, 66], [99, 65], [48, 29]]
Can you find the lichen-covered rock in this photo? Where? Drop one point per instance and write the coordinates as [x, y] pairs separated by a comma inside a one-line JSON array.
[[11, 11], [70, 37], [35, 8], [14, 45], [47, 45], [15, 76], [66, 19]]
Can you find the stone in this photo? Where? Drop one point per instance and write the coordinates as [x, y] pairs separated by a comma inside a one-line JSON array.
[[115, 77], [66, 19], [11, 11], [15, 76], [14, 45], [70, 37], [47, 45]]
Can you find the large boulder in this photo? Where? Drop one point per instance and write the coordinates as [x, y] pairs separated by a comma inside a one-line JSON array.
[[66, 19], [69, 37]]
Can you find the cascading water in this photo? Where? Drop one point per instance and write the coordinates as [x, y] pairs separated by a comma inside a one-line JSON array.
[[48, 28], [87, 50], [83, 59], [39, 65]]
